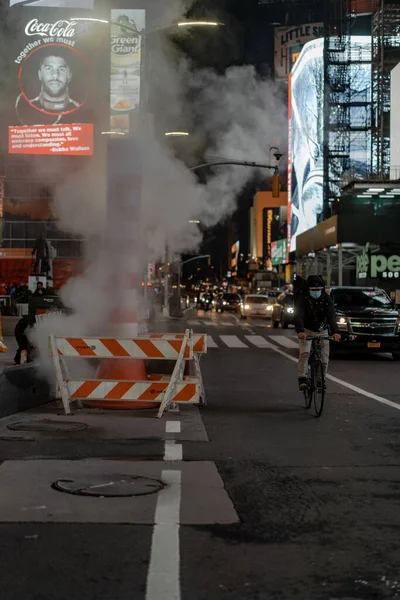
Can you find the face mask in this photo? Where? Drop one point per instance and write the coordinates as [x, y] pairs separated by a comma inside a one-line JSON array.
[[315, 295]]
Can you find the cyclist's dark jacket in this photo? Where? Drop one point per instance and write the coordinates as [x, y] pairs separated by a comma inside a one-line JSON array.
[[315, 315]]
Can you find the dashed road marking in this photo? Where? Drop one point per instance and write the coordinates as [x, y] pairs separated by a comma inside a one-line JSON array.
[[173, 427], [163, 578]]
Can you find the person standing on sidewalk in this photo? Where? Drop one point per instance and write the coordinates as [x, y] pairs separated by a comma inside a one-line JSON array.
[[314, 315]]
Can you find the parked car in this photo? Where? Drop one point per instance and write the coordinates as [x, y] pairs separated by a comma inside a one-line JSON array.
[[256, 305], [230, 302], [283, 310], [368, 320]]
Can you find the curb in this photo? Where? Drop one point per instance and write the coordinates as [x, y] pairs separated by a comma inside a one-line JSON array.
[[21, 388]]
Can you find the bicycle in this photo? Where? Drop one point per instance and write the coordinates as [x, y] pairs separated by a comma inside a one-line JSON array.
[[314, 393]]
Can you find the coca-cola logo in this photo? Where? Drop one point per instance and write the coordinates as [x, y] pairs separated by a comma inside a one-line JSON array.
[[57, 29]]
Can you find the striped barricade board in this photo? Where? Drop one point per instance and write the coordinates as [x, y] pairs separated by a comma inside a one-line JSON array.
[[186, 391], [176, 388]]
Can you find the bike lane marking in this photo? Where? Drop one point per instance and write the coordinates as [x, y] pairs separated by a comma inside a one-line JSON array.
[[345, 384], [163, 579]]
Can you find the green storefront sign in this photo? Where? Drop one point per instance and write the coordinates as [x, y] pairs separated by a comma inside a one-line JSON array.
[[374, 266], [278, 252]]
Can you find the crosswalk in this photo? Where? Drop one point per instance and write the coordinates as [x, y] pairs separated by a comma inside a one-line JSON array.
[[250, 341], [209, 323]]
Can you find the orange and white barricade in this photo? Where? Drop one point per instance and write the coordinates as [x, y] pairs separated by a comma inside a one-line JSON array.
[[199, 348], [167, 390]]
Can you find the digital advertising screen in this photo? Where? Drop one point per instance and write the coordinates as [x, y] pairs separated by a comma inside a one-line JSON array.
[[306, 132], [54, 83], [126, 66]]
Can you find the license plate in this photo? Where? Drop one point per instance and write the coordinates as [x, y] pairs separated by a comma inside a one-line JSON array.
[[374, 344]]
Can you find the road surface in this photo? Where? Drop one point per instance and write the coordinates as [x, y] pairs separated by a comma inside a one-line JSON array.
[[262, 501]]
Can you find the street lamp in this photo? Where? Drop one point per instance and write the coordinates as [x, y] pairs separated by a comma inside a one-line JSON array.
[[199, 24], [176, 133]]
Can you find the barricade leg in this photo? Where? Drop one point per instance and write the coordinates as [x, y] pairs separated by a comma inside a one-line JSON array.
[[196, 360], [59, 378], [177, 375]]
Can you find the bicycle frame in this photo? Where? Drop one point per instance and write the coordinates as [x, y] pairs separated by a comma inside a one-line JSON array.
[[315, 361]]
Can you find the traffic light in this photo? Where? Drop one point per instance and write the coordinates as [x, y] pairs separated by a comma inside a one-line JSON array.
[[276, 185]]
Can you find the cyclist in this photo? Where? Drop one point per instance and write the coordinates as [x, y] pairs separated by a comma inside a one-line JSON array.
[[314, 315]]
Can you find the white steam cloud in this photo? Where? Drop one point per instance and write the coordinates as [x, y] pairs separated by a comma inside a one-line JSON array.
[[240, 115]]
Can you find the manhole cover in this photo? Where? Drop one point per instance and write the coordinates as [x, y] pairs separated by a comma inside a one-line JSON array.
[[110, 486], [46, 425]]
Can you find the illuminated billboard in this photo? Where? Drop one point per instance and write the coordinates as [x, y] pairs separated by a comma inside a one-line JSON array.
[[53, 95], [306, 132], [289, 42], [126, 30], [395, 123]]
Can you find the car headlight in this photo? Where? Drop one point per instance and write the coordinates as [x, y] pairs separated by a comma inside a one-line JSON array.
[[343, 324], [290, 309], [224, 303], [246, 307], [269, 307]]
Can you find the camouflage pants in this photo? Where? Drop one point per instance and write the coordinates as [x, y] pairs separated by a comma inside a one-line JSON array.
[[304, 352]]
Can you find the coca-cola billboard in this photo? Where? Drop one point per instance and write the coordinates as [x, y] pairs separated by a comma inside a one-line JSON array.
[[60, 76]]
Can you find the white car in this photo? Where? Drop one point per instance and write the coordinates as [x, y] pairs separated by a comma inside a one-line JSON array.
[[256, 305]]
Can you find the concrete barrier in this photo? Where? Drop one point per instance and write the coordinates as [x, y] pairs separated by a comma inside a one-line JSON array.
[[21, 388]]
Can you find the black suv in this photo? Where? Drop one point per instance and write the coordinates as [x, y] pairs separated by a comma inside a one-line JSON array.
[[368, 320], [230, 302]]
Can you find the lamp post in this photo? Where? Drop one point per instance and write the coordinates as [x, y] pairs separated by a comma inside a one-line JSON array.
[[131, 28]]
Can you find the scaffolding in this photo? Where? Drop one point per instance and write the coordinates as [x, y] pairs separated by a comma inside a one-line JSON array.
[[347, 102], [337, 24], [385, 56]]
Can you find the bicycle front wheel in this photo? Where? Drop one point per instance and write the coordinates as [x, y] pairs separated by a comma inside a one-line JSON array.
[[319, 396]]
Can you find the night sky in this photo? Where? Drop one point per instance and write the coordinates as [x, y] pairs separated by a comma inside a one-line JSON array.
[[247, 38]]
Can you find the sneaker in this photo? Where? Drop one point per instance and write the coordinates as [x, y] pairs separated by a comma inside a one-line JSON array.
[[302, 384]]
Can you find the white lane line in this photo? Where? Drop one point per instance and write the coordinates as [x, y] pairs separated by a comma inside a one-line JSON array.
[[173, 427], [345, 384], [173, 451], [163, 579], [284, 341], [208, 323], [194, 323], [232, 341], [259, 341], [227, 324], [211, 343]]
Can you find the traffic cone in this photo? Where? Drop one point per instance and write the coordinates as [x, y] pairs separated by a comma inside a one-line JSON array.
[[123, 370], [3, 347]]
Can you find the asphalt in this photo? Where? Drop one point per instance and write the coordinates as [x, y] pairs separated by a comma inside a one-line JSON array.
[[276, 504]]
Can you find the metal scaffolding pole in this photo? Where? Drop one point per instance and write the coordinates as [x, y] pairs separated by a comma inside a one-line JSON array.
[[340, 264]]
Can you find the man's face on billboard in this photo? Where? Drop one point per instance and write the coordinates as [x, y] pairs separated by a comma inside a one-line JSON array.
[[55, 75]]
